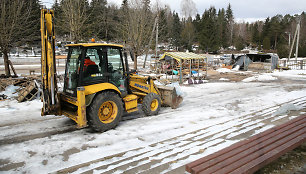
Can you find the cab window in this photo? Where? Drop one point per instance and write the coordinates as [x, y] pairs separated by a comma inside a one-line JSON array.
[[94, 68], [72, 69]]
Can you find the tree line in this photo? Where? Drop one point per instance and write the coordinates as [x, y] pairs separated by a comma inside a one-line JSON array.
[[214, 30], [135, 22]]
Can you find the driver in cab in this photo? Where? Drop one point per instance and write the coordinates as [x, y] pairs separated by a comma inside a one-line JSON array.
[[88, 62]]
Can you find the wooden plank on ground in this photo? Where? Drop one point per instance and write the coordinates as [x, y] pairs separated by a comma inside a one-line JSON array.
[[251, 154], [289, 124]]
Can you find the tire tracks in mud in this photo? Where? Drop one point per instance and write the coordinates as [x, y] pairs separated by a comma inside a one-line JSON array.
[[160, 156], [27, 121], [71, 127], [19, 139]]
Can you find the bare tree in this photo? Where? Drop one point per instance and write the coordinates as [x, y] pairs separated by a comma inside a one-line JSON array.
[[13, 21], [75, 16], [137, 26], [188, 8]]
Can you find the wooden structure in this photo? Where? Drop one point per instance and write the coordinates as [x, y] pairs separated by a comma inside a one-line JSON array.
[[29, 92], [183, 63], [250, 155]]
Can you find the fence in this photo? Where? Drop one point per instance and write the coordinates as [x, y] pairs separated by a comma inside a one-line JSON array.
[[293, 64]]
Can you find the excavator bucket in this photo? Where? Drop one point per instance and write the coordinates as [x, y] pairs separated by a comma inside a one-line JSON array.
[[169, 96]]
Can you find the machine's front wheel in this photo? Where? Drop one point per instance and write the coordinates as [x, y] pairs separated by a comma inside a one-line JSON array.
[[105, 111], [151, 104]]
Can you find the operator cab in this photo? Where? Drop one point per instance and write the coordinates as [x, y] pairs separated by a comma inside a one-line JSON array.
[[95, 63]]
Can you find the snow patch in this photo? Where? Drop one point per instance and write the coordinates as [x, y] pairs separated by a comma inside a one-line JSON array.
[[236, 68], [286, 108], [10, 91], [177, 88], [260, 78], [224, 79], [291, 73], [223, 70]]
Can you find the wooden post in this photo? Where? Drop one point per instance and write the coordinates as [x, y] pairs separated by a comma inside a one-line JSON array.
[[166, 71], [206, 66], [172, 69], [199, 69], [10, 63], [190, 68], [181, 71]]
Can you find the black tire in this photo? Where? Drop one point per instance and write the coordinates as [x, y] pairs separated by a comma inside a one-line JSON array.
[[105, 111], [148, 100]]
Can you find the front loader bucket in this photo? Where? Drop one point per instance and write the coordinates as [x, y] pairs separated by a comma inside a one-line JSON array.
[[169, 96]]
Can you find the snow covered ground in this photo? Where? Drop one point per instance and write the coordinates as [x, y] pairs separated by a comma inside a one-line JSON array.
[[212, 116]]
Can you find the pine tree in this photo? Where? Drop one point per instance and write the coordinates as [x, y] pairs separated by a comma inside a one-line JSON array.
[[266, 43], [255, 34], [275, 29], [222, 29], [32, 28], [187, 34], [113, 23], [239, 44], [197, 27], [176, 31], [98, 27], [60, 30], [208, 34], [163, 26], [230, 23]]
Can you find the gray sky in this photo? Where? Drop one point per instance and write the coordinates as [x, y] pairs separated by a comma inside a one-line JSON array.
[[244, 10]]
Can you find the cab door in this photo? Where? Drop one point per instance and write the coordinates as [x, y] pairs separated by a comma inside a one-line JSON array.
[[116, 69], [73, 70]]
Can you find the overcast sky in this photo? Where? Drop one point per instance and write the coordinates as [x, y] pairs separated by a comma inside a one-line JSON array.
[[247, 10]]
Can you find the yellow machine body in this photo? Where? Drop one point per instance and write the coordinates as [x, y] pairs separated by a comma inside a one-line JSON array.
[[75, 106]]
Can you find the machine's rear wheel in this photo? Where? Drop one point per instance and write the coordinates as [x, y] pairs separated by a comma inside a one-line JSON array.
[[105, 111], [151, 104]]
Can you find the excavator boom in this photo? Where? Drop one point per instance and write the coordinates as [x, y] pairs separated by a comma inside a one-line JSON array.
[[48, 68]]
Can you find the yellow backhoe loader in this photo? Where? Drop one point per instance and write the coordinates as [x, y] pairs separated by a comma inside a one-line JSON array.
[[98, 85]]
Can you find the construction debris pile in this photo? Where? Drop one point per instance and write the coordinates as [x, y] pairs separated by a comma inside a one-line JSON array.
[[27, 87]]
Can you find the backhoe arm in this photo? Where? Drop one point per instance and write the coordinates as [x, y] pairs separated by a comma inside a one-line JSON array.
[[48, 69]]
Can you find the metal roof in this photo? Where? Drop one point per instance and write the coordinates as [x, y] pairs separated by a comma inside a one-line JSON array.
[[93, 45], [182, 56]]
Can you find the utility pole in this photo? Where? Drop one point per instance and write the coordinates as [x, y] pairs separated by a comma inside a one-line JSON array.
[[151, 38], [298, 39], [289, 39], [296, 35], [156, 46]]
